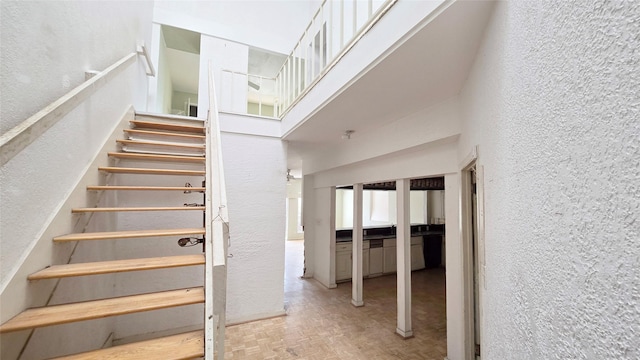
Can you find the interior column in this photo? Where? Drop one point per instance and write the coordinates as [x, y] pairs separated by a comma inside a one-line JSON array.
[[403, 257], [356, 273]]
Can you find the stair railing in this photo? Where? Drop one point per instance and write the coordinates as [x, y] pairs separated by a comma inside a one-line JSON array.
[[260, 90], [23, 134], [142, 50], [334, 29], [216, 233]]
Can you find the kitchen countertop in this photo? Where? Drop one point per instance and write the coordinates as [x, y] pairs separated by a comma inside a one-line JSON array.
[[376, 237]]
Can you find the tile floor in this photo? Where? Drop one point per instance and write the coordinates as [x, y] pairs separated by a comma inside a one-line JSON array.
[[322, 324]]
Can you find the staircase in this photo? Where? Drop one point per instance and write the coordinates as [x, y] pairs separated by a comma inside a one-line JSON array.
[[157, 154]]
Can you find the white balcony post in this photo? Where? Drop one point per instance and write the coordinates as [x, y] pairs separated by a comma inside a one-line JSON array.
[[306, 58], [288, 88], [322, 41], [260, 95], [341, 24], [355, 19], [313, 51], [356, 273], [290, 91], [299, 73], [330, 32], [403, 260]]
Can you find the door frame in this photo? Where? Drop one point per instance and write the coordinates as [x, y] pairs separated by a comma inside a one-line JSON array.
[[466, 225]]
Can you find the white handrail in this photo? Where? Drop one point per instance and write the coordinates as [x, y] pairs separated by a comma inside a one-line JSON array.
[[265, 89], [217, 233], [18, 138], [247, 74], [142, 50]]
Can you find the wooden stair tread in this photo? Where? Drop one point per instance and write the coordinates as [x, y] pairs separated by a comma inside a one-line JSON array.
[[158, 143], [156, 157], [152, 188], [116, 266], [128, 170], [176, 347], [106, 235], [168, 126], [95, 309], [146, 208], [162, 133]]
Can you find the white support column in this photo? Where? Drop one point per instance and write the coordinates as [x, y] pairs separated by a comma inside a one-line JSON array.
[[356, 274], [403, 248]]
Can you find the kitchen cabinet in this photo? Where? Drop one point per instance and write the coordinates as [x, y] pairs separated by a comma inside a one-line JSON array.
[[379, 250], [343, 261], [417, 255], [365, 258], [375, 261], [389, 256]]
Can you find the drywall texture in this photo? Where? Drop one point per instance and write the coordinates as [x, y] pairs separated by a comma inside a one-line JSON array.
[[18, 293], [552, 101], [255, 173], [48, 45], [322, 236], [37, 181]]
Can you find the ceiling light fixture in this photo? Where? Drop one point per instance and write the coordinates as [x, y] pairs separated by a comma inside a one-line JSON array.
[[347, 134]]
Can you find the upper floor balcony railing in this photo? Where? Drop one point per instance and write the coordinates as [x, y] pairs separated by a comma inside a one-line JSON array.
[[336, 26], [261, 92]]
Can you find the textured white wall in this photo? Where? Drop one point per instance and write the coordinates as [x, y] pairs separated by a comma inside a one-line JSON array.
[[552, 101], [37, 181], [47, 46], [255, 172], [18, 293], [42, 43], [323, 236]]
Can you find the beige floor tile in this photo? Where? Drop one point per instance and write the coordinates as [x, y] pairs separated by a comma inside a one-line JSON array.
[[322, 324]]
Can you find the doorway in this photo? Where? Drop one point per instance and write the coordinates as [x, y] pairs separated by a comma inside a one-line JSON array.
[[294, 236], [178, 71], [473, 242]]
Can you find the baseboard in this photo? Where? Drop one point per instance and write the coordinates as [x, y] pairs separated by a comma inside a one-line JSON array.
[[256, 317]]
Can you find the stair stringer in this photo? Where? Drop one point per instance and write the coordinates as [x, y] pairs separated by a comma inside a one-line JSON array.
[[18, 293]]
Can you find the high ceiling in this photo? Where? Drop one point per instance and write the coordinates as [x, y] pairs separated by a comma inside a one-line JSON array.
[[181, 39]]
